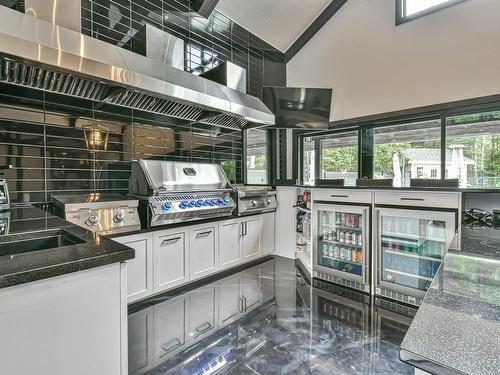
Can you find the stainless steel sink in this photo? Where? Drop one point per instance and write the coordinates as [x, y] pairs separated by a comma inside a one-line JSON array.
[[39, 241]]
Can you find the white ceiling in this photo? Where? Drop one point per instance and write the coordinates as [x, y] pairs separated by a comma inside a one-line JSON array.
[[278, 22]]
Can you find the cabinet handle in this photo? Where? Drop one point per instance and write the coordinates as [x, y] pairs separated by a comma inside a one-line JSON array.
[[241, 305], [171, 345], [203, 328], [246, 228], [242, 229], [203, 234], [168, 240], [412, 199], [244, 303], [339, 196]]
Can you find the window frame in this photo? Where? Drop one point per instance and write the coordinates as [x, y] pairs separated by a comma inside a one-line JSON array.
[[401, 6], [269, 161], [367, 124]]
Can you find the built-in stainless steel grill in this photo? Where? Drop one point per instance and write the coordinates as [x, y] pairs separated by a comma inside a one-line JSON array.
[[172, 192], [256, 199], [102, 213]]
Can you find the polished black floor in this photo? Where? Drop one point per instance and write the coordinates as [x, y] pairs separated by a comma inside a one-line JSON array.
[[267, 320]]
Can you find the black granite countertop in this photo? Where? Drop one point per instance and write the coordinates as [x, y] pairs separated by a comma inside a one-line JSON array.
[[457, 328], [37, 245]]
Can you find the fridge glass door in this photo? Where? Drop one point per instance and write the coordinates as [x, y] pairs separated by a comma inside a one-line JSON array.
[[340, 239], [412, 244]]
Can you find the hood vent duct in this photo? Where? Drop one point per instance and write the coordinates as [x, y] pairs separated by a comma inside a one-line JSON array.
[[37, 54]]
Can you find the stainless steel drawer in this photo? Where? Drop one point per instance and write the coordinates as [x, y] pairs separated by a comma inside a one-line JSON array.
[[418, 198], [340, 195]]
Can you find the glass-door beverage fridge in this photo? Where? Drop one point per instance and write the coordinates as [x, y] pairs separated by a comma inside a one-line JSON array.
[[410, 246], [341, 244]]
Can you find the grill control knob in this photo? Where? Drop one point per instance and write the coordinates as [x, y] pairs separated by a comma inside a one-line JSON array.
[[119, 216], [92, 220], [253, 203], [207, 202], [192, 204], [226, 200], [213, 202], [166, 206], [183, 204], [267, 201], [199, 203]]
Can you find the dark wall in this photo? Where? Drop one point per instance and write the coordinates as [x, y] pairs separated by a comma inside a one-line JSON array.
[[208, 41], [50, 139], [65, 145]]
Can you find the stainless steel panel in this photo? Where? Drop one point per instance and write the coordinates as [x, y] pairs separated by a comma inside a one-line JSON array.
[[105, 214], [66, 51], [160, 46], [230, 75], [174, 176], [65, 13], [253, 199]]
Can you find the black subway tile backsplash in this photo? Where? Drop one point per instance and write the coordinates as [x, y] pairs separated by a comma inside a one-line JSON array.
[[60, 144], [80, 150], [208, 42]]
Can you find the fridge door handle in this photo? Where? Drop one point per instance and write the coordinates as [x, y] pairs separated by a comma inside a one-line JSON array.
[[366, 242], [411, 199], [377, 246]]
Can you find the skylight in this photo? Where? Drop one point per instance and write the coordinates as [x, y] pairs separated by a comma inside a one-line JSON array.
[[415, 6], [411, 9]]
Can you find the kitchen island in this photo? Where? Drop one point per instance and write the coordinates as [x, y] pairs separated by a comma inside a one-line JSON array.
[[62, 297], [457, 327]]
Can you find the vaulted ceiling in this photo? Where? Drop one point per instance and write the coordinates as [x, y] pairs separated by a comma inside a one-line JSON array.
[[278, 22]]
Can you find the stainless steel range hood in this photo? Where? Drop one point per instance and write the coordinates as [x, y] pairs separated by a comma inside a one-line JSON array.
[[39, 54]]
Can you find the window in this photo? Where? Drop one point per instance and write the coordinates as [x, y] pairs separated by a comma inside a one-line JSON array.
[[229, 167], [256, 151], [434, 173], [407, 151], [308, 161], [339, 157], [473, 149], [407, 10]]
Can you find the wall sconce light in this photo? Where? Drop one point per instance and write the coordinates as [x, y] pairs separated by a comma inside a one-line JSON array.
[[97, 137]]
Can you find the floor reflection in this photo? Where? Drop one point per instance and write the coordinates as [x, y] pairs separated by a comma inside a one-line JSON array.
[[268, 320]]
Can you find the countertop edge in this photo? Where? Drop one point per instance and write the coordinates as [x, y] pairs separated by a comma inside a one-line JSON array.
[[65, 268], [426, 364]]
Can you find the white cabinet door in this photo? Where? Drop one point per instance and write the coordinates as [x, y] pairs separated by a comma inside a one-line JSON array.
[[203, 250], [140, 341], [250, 288], [230, 235], [267, 233], [202, 312], [251, 238], [139, 269], [267, 276], [230, 301], [169, 327], [171, 259]]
